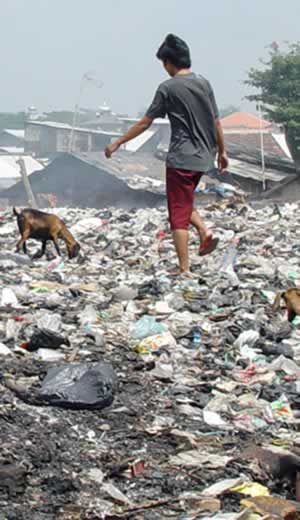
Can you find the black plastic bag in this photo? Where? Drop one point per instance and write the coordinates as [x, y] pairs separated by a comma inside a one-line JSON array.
[[44, 338], [80, 386]]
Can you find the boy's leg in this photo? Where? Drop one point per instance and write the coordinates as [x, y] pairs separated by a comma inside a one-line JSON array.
[[181, 239], [199, 224], [180, 193], [207, 243]]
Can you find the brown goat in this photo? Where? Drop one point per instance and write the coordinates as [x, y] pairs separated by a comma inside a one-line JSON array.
[[38, 225], [292, 301]]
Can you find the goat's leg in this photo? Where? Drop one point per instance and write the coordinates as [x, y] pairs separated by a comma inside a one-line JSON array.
[[24, 248], [18, 246], [291, 313], [54, 240], [22, 242], [41, 253]]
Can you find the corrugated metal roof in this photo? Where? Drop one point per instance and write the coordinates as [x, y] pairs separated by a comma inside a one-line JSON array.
[[63, 126], [252, 171], [12, 150], [7, 171], [16, 133], [138, 142], [158, 121], [124, 164], [10, 169]]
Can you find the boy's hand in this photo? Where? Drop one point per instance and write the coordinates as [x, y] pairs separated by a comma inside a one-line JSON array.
[[111, 148], [223, 162]]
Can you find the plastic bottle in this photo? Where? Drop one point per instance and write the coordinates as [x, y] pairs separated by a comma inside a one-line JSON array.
[[229, 261], [197, 337], [56, 265]]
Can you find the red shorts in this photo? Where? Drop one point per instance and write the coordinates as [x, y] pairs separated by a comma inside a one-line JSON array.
[[181, 185]]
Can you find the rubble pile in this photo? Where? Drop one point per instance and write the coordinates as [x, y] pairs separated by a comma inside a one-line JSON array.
[[128, 392]]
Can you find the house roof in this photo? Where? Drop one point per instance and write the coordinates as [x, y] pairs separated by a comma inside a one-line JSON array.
[[10, 169], [124, 164], [158, 121], [12, 150], [254, 171], [251, 142], [15, 133], [63, 126], [138, 142], [244, 120], [99, 186]]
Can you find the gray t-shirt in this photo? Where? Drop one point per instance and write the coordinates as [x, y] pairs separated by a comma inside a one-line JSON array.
[[189, 102]]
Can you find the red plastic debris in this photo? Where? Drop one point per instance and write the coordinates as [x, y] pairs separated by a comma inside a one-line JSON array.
[[137, 468], [161, 235]]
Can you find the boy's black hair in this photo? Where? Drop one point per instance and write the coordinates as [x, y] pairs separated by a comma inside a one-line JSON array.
[[176, 51]]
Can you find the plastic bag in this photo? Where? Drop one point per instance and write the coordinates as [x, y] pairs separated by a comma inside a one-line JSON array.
[[248, 337], [155, 343], [281, 409], [8, 298], [87, 225], [12, 329], [4, 350], [80, 386], [252, 489], [221, 487], [49, 321], [282, 364], [147, 326], [96, 334], [44, 338], [89, 315]]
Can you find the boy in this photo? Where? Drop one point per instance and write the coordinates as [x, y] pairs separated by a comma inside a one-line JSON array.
[[196, 134]]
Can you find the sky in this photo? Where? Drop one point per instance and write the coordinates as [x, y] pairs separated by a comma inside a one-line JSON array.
[[47, 45]]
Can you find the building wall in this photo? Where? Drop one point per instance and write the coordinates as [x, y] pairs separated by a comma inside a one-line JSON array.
[[45, 140], [99, 142], [48, 140], [32, 138]]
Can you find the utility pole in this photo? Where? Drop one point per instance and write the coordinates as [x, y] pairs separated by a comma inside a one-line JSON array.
[[76, 110], [87, 77], [262, 150], [30, 196]]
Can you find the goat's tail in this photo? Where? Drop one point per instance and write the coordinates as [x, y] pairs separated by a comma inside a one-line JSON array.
[[16, 212]]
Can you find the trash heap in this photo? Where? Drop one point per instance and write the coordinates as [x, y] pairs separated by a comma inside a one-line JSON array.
[[127, 392]]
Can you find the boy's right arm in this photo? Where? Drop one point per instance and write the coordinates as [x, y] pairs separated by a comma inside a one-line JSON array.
[[133, 132], [156, 109], [223, 161]]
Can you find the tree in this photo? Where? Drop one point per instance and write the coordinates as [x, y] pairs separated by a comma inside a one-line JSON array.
[[278, 86], [227, 111]]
